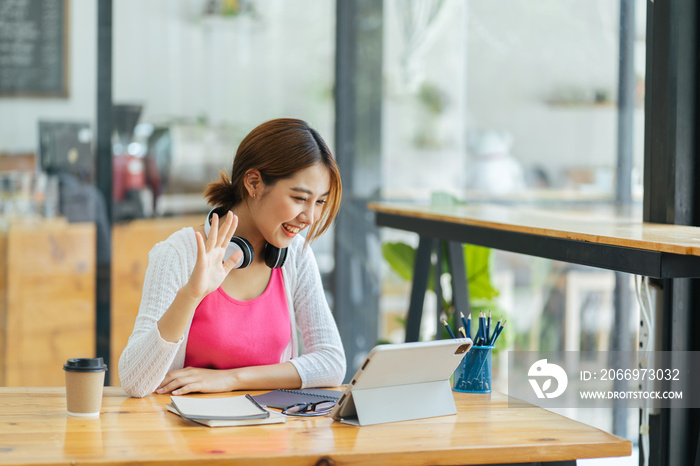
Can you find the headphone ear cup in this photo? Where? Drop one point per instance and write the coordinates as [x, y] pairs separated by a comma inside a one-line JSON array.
[[240, 244], [274, 256]]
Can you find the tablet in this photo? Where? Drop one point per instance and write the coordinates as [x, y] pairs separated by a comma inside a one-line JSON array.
[[402, 381]]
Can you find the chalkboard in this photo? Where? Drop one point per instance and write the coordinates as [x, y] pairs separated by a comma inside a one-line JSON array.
[[34, 48]]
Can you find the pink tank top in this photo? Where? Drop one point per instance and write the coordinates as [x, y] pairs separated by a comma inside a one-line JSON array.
[[227, 333]]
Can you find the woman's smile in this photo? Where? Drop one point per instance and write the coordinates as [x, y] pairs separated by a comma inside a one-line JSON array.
[[291, 230]]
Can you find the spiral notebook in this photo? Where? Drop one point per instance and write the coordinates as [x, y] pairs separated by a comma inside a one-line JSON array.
[[282, 398], [228, 408]]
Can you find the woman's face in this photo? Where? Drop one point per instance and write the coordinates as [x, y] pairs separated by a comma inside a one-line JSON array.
[[292, 204]]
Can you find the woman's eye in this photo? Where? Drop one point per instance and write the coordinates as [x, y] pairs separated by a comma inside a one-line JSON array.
[[321, 201], [300, 199]]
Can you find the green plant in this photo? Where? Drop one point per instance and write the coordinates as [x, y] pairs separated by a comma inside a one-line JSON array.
[[482, 293]]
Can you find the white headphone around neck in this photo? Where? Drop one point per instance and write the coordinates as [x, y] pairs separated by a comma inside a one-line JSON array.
[[274, 256]]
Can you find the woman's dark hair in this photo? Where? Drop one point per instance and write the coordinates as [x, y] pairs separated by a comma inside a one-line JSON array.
[[278, 149]]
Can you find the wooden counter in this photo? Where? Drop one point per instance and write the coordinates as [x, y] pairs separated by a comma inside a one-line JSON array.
[[598, 225], [47, 299], [596, 236], [488, 429], [47, 293]]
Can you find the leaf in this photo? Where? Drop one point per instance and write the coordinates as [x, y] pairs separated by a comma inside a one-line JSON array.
[[478, 262], [482, 294], [400, 257]]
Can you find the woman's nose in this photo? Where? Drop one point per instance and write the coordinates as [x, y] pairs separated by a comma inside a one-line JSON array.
[[307, 215]]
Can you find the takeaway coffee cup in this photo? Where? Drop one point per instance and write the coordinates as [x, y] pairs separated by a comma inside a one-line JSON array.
[[85, 378]]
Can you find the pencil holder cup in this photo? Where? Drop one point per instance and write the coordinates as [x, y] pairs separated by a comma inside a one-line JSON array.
[[473, 375]]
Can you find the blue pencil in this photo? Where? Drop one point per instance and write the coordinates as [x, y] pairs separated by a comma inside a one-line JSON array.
[[496, 330], [449, 330], [466, 324], [495, 337], [488, 328], [478, 336], [482, 326]]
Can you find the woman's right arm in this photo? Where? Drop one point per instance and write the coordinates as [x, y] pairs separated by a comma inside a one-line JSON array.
[[208, 274], [170, 297], [148, 356]]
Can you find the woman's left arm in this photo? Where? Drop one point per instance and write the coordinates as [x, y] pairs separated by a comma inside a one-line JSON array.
[[196, 379], [323, 363]]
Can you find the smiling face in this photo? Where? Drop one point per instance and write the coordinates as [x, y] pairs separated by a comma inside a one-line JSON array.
[[282, 210]]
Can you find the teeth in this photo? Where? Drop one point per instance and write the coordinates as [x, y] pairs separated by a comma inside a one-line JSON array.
[[291, 228]]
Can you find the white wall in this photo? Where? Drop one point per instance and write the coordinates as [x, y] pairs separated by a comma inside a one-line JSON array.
[[496, 63], [233, 72], [508, 59], [439, 61]]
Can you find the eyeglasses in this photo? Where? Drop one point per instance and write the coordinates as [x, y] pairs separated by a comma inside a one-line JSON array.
[[318, 408]]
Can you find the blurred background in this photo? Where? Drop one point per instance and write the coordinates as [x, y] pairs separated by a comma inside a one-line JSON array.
[[114, 118]]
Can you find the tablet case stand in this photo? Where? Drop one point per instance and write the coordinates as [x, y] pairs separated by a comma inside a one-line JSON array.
[[401, 403]]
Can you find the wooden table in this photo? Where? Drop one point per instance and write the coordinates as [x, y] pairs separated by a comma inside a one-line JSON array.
[[35, 430], [593, 236]]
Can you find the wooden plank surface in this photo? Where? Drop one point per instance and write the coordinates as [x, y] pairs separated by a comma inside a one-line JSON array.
[[34, 429], [598, 225], [48, 311], [3, 307]]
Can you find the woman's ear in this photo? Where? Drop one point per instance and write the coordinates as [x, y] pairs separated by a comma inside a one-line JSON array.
[[253, 182]]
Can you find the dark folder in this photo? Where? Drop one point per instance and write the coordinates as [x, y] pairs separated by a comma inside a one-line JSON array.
[[282, 398]]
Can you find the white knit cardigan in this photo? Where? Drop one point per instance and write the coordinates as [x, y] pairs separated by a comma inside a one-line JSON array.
[[147, 357]]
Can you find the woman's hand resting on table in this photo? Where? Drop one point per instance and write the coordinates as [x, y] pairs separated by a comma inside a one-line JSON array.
[[195, 379]]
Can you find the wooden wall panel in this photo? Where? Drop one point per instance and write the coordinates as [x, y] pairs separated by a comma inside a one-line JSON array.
[[47, 293], [49, 300], [3, 306]]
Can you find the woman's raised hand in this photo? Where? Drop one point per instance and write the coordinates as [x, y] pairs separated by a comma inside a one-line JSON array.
[[210, 269]]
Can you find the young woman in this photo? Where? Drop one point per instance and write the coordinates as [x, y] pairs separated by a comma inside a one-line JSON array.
[[205, 325]]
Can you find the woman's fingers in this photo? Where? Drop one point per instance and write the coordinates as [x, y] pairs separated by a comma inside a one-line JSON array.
[[179, 387], [193, 387], [211, 250], [182, 381], [169, 388], [213, 232], [233, 260], [201, 247], [227, 228], [231, 227], [175, 380]]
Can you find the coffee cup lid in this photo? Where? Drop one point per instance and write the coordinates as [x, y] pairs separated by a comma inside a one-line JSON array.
[[85, 365]]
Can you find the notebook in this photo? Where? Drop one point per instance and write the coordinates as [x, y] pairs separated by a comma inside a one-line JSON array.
[[229, 408], [282, 398], [274, 418]]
